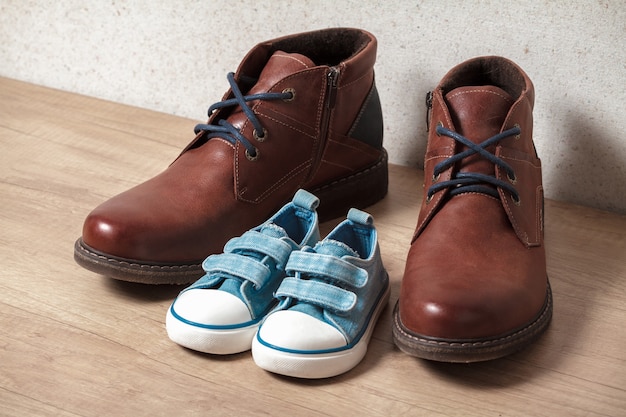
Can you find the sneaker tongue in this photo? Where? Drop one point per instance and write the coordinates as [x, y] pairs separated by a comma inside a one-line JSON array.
[[279, 66], [478, 113], [334, 248], [273, 230]]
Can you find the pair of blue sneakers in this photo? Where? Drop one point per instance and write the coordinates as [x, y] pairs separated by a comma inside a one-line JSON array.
[[306, 307]]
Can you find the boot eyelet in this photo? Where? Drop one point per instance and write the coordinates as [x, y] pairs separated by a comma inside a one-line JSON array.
[[252, 157], [517, 201], [439, 124], [512, 178], [429, 198], [436, 177], [519, 135], [291, 91], [260, 138]]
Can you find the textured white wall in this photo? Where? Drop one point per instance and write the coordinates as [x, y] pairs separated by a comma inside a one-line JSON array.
[[173, 56]]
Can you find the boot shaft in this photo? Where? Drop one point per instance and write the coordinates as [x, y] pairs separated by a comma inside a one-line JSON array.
[[334, 115]]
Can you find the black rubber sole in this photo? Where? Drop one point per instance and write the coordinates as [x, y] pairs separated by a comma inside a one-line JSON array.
[[476, 350], [359, 190]]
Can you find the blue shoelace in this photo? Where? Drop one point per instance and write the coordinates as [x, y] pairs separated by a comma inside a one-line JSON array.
[[229, 132], [463, 182]]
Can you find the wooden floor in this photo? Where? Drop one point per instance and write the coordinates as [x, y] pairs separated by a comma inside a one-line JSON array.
[[73, 343]]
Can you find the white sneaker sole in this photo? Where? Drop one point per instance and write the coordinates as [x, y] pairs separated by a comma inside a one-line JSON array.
[[317, 365], [214, 341]]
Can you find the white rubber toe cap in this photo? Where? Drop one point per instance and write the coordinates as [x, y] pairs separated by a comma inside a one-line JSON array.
[[211, 307], [298, 331]]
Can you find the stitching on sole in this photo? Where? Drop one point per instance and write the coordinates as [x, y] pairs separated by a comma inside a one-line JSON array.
[[134, 265]]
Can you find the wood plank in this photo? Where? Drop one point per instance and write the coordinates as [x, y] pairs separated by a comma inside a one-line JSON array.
[[75, 343]]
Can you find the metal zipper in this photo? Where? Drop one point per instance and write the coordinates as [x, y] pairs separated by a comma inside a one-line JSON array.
[[329, 103], [429, 107], [329, 100]]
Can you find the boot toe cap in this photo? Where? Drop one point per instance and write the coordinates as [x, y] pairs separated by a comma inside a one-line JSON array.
[[109, 234], [465, 315]]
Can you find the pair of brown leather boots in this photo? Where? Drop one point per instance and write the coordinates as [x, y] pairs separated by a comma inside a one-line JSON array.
[[303, 111]]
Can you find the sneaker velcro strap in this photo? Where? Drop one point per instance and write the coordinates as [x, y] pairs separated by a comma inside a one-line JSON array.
[[253, 241], [228, 265], [326, 296], [315, 264]]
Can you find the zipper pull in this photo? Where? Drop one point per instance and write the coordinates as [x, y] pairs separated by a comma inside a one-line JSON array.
[[429, 107], [332, 77]]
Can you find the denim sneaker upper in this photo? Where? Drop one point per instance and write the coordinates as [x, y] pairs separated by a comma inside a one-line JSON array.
[[237, 290], [329, 304]]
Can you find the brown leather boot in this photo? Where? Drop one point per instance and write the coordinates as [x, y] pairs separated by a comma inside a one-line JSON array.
[[475, 284], [302, 111]]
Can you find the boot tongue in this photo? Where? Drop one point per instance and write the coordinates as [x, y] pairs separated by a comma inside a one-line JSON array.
[[478, 113], [279, 66]]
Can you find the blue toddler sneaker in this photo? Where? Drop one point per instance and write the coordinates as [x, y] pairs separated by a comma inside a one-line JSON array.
[[329, 304], [221, 312]]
